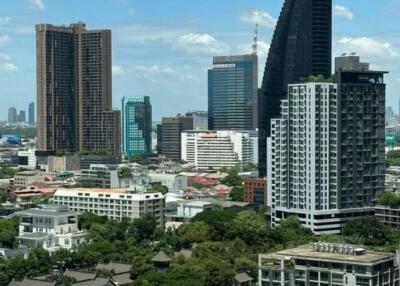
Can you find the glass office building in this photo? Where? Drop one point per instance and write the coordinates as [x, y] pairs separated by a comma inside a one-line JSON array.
[[136, 125]]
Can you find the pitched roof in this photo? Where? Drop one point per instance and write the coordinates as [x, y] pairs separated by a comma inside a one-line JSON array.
[[80, 276], [243, 277], [118, 268], [161, 257], [122, 279], [30, 282], [97, 282]]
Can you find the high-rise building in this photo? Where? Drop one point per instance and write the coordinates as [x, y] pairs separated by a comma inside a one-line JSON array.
[[326, 153], [233, 93], [12, 115], [31, 113], [171, 130], [136, 125], [218, 149], [73, 87], [200, 119], [301, 46], [21, 117]]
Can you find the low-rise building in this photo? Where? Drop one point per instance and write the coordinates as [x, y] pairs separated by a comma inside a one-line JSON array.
[[174, 182], [255, 191], [27, 158], [114, 203], [23, 179], [388, 215], [328, 264], [49, 227], [100, 176], [63, 163], [190, 208], [219, 149]]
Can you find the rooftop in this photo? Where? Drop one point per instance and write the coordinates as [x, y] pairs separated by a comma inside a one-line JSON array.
[[48, 211], [307, 251]]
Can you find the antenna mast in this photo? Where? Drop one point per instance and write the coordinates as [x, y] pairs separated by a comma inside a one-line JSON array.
[[255, 42]]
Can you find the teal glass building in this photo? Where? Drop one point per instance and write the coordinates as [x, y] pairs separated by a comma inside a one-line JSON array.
[[136, 125]]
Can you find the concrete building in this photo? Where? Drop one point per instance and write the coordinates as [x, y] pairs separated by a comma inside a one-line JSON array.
[[12, 115], [23, 179], [80, 119], [200, 119], [388, 215], [328, 264], [113, 203], [171, 130], [219, 149], [233, 93], [326, 154], [21, 116], [189, 209], [136, 126], [174, 182], [27, 158], [63, 163], [100, 176], [50, 227], [31, 113]]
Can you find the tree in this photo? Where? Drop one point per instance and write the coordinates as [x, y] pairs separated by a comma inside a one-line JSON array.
[[218, 273], [237, 194], [195, 232], [8, 232], [393, 158], [86, 220], [233, 178], [125, 173], [389, 199], [159, 188], [144, 228]]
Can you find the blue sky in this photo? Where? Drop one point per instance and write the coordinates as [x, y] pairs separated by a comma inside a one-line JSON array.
[[162, 48]]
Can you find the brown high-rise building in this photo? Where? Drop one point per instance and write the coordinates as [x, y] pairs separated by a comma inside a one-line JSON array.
[[74, 96]]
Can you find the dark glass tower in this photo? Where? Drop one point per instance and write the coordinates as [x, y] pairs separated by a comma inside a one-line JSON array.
[[301, 46]]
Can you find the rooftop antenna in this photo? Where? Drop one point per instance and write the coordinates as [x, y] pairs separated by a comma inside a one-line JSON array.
[[255, 42]]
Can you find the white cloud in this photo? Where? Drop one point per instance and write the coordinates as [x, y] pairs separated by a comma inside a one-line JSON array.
[[37, 4], [201, 44], [367, 47], [262, 49], [343, 12], [155, 70], [259, 17], [4, 39], [118, 71], [141, 34], [8, 68], [4, 57]]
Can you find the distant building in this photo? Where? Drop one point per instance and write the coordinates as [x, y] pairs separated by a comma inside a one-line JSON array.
[[200, 119], [233, 93], [328, 264], [174, 182], [23, 179], [100, 176], [171, 130], [219, 149], [11, 139], [388, 215], [27, 158], [113, 203], [12, 115], [255, 191], [63, 163], [87, 160], [31, 113], [51, 228], [189, 209], [22, 116], [159, 138], [136, 125], [74, 100]]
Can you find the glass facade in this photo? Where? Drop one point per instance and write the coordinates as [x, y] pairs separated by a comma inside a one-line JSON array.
[[232, 93], [136, 125]]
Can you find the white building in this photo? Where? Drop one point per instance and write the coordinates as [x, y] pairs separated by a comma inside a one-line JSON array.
[[27, 158], [51, 228], [113, 203], [23, 179], [218, 149], [174, 182], [100, 176], [190, 208]]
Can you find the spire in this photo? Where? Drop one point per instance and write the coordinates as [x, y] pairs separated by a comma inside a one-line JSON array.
[[255, 43]]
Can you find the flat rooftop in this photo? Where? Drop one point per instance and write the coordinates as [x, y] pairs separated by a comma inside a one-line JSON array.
[[307, 251]]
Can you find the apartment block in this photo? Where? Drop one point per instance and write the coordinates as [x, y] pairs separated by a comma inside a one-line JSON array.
[[100, 176]]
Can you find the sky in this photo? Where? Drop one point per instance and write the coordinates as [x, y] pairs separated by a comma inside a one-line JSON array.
[[163, 48]]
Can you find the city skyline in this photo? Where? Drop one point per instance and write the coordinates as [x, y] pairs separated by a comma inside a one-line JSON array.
[[158, 58]]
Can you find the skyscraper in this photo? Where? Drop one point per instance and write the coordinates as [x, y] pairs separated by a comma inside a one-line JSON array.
[[74, 88], [171, 132], [233, 92], [31, 113], [12, 115], [326, 153], [22, 116], [136, 125], [301, 46]]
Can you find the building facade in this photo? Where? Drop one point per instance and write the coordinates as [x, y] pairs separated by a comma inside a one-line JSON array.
[[114, 203], [74, 88], [27, 158], [100, 176], [171, 130], [219, 149], [301, 46], [328, 264], [21, 116], [31, 113], [233, 93], [255, 191], [388, 215], [136, 125], [326, 156], [12, 115], [51, 228]]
